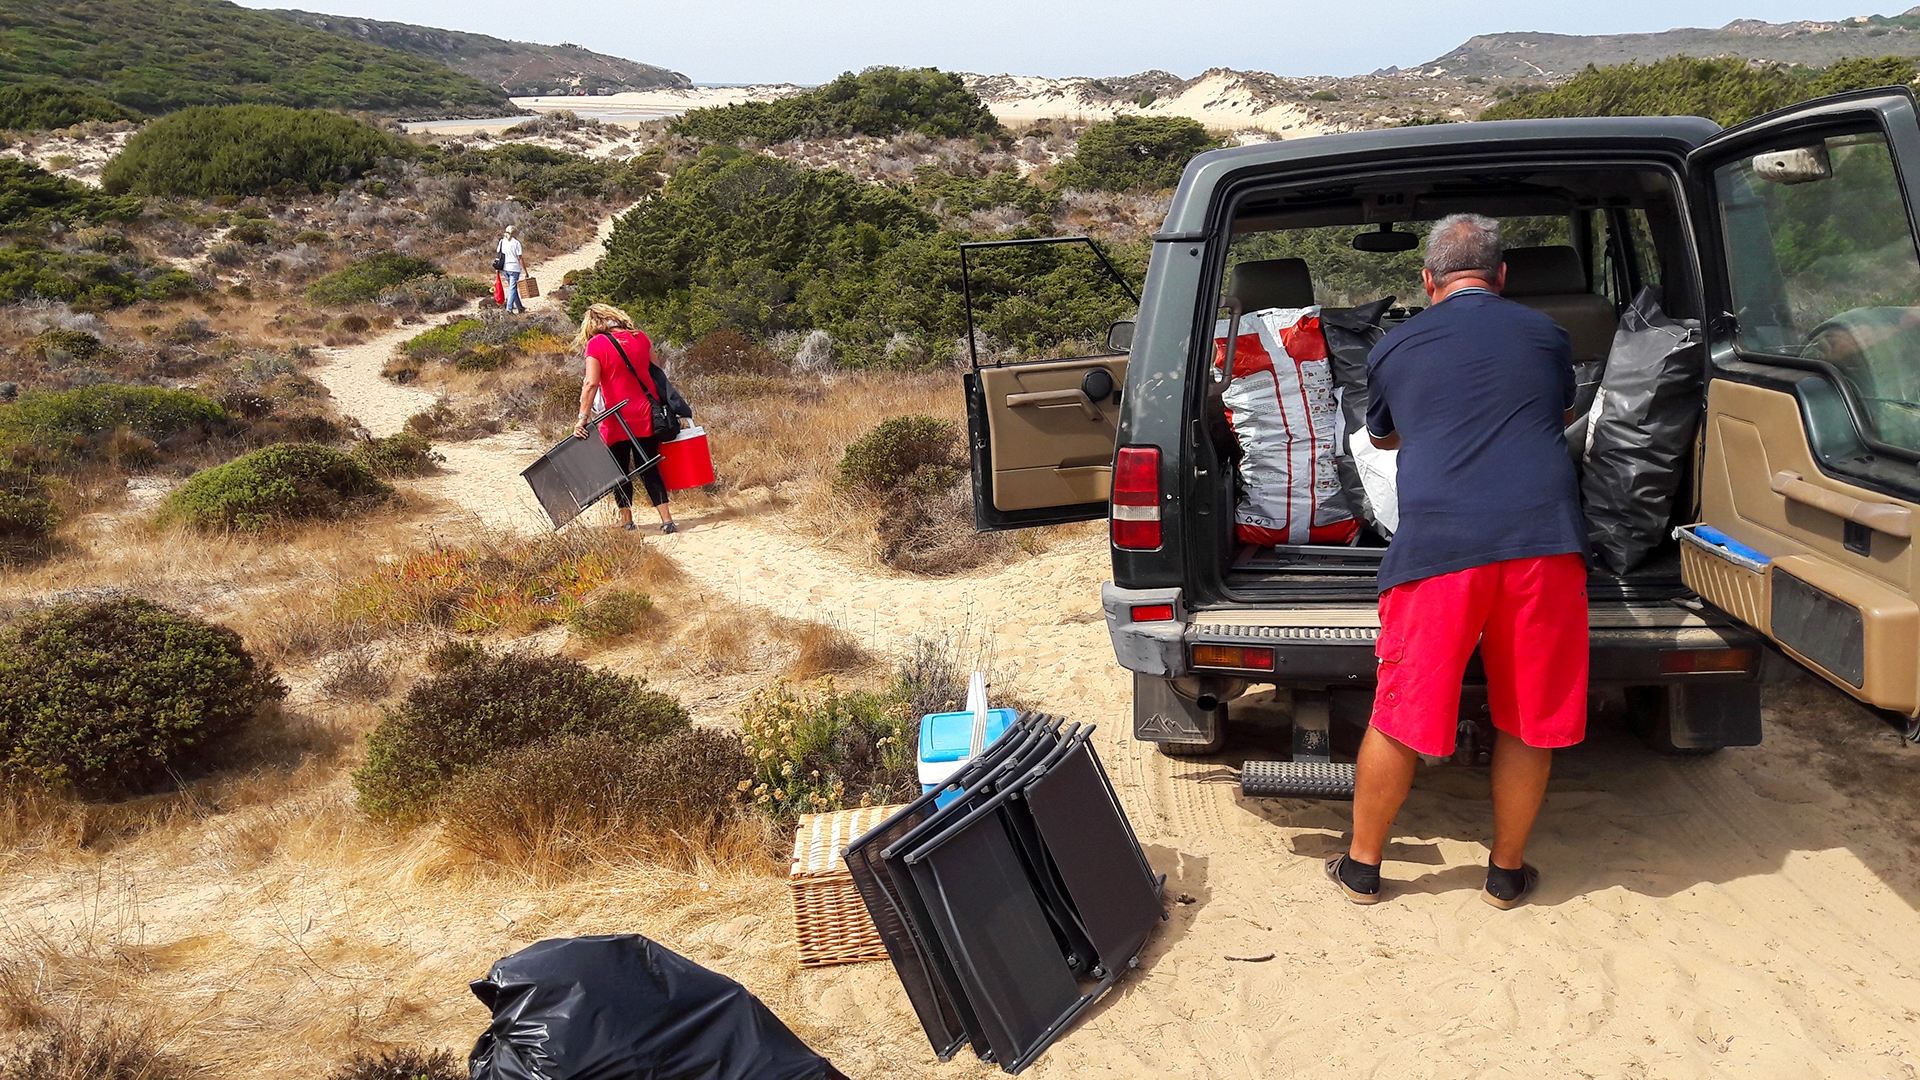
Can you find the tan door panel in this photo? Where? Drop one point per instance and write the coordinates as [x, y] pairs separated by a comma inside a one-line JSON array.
[[1851, 617], [1050, 444]]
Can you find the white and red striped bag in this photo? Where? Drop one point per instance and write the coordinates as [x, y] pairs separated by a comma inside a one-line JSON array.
[[1281, 403]]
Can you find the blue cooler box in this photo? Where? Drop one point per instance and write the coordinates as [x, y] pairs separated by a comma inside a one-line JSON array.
[[946, 744]]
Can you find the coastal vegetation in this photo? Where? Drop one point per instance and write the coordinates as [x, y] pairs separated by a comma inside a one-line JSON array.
[[877, 101], [247, 150]]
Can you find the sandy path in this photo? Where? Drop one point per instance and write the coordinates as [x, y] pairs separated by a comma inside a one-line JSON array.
[[1748, 914], [352, 373]]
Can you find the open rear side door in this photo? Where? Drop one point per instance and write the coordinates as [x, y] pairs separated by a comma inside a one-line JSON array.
[[1041, 433], [1811, 445]]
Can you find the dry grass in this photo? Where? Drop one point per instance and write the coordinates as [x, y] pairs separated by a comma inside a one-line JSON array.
[[112, 1047], [778, 449], [497, 582], [560, 805], [822, 649]]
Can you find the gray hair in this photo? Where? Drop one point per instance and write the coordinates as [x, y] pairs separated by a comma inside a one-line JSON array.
[[1461, 242]]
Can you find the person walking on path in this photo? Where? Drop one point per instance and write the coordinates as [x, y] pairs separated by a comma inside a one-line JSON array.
[[1475, 392], [620, 368], [510, 265]]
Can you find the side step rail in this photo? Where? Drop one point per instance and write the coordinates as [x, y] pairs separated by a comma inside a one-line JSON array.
[[1331, 780]]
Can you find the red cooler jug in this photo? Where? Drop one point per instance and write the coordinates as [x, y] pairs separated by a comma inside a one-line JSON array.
[[686, 462]]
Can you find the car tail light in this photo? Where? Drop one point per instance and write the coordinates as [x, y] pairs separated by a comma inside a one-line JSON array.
[[1702, 661], [1153, 613], [1136, 498], [1237, 657]]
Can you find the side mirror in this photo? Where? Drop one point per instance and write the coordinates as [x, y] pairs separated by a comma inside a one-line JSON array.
[[1803, 165], [1120, 336], [1385, 240]]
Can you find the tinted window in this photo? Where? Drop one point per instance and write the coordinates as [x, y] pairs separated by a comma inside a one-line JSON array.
[[1822, 263]]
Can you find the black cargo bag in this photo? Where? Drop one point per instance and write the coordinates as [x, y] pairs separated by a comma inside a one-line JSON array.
[[620, 1007], [1351, 335], [1640, 432]]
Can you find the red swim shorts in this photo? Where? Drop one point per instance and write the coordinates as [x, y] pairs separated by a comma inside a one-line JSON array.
[[1529, 618]]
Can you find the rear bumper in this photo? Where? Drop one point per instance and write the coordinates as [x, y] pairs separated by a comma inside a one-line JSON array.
[[1332, 645]]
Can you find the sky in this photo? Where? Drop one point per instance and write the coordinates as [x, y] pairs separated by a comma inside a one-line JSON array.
[[753, 41]]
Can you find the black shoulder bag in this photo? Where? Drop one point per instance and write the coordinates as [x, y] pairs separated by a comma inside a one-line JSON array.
[[665, 425]]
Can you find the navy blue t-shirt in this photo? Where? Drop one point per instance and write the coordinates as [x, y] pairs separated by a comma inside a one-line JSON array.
[[1478, 388]]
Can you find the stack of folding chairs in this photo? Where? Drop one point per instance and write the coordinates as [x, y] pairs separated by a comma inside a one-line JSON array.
[[1012, 908]]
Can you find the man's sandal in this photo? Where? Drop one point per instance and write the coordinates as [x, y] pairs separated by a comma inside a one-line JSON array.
[[1529, 880], [1355, 895]]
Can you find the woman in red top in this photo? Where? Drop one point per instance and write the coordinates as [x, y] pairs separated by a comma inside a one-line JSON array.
[[606, 333]]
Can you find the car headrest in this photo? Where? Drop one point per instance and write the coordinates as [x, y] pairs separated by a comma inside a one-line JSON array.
[[1544, 271], [1271, 283]]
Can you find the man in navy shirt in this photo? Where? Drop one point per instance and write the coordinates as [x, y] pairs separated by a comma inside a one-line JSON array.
[[1475, 392]]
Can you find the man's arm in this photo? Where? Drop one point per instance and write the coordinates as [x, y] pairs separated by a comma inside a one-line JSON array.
[[1379, 417]]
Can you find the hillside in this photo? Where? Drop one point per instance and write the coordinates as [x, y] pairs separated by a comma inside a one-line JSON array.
[[156, 56], [520, 68], [1228, 100], [1556, 56]]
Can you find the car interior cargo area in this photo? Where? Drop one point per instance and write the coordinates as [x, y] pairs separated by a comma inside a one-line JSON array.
[[1315, 276]]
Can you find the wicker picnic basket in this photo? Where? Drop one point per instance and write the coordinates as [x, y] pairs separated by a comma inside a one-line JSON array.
[[829, 917]]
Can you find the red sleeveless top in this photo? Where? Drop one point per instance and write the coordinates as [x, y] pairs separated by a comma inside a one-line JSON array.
[[618, 384]]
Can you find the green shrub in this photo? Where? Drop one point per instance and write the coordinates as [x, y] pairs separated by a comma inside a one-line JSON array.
[[57, 345], [434, 294], [462, 718], [43, 106], [617, 614], [88, 282], [759, 245], [572, 798], [29, 195], [895, 450], [311, 236], [443, 341], [406, 453], [250, 233], [536, 173], [284, 483], [878, 101], [1728, 90], [816, 750], [1133, 153], [27, 515], [75, 425], [957, 194], [406, 1063], [365, 279], [246, 150], [116, 696]]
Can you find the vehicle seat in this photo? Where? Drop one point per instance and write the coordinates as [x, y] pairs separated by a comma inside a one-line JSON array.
[[1551, 280], [1271, 283]]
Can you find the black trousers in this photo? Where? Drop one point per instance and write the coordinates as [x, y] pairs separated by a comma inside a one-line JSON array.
[[629, 456]]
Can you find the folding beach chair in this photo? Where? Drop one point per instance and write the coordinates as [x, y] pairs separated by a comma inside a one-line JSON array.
[[576, 473]]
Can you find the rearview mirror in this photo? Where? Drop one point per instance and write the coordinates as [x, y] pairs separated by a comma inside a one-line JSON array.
[[1385, 240], [1799, 166], [1120, 336]]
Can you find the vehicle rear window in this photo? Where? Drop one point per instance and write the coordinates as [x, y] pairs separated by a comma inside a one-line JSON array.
[[1346, 277]]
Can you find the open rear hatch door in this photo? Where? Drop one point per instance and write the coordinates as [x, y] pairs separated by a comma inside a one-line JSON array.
[[1041, 432], [1810, 468]]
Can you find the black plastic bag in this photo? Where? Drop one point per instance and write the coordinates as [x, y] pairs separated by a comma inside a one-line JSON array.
[[1640, 432], [620, 1007], [1351, 335]]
